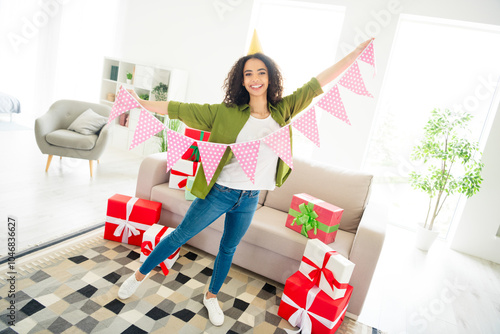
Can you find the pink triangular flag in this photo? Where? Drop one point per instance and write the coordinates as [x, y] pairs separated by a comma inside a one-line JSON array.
[[353, 81], [123, 102], [147, 127], [247, 154], [308, 125], [332, 103], [368, 56], [177, 145], [279, 141], [210, 153]]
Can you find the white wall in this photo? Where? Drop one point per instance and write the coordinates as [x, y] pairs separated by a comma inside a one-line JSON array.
[[189, 35]]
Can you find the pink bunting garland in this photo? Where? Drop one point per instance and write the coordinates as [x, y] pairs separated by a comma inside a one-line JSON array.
[[124, 102], [279, 141], [147, 127], [210, 153], [177, 145], [353, 80], [332, 103], [308, 125], [247, 154], [368, 56]]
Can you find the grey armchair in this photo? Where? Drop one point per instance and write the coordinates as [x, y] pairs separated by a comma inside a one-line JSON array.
[[54, 138]]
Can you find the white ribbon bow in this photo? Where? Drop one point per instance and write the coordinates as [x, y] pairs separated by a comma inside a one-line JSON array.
[[125, 226], [302, 317]]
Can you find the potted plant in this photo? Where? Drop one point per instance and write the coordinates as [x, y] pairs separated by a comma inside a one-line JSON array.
[[451, 165], [160, 92], [129, 78]]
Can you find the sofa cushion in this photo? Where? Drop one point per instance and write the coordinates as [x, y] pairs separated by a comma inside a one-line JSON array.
[[344, 188], [268, 231], [88, 123], [71, 139]]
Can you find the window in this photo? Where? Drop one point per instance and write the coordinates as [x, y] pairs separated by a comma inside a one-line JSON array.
[[434, 63], [302, 38]]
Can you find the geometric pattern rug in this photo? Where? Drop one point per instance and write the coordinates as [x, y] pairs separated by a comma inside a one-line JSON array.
[[74, 290]]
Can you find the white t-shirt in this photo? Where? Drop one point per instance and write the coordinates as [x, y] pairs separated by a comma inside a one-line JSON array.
[[233, 176]]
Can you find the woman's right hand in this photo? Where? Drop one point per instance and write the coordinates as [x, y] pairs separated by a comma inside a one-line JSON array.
[[134, 94]]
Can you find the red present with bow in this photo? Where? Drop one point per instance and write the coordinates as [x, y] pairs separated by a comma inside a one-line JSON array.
[[127, 218], [314, 218], [180, 172], [326, 268], [306, 306], [193, 153], [151, 238]]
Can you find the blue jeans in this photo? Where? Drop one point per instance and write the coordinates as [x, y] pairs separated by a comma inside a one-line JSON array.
[[239, 207]]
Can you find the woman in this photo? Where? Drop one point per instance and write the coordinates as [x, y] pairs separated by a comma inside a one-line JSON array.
[[252, 108]]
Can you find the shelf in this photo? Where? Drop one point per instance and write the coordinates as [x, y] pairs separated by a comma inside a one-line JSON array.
[[145, 78]]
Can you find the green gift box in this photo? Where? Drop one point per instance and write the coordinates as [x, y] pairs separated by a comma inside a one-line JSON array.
[[187, 194], [314, 218]]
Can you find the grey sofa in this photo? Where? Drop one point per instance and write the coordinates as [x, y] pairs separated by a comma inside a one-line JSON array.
[[271, 249]]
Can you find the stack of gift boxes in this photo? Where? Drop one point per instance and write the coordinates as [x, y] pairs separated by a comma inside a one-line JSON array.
[[183, 171], [316, 297], [134, 221]]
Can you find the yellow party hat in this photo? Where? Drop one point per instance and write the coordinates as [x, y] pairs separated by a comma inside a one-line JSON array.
[[255, 44]]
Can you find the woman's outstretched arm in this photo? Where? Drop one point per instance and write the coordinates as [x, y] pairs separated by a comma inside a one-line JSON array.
[[336, 69], [159, 107]]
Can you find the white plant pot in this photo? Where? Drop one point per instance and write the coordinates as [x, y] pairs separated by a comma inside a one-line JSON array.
[[129, 81], [425, 238]]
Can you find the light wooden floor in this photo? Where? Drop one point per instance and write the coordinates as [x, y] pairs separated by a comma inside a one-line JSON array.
[[442, 291]]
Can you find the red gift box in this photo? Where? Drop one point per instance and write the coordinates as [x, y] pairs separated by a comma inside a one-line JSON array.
[[129, 217], [314, 218], [193, 154], [306, 305], [151, 238], [180, 172]]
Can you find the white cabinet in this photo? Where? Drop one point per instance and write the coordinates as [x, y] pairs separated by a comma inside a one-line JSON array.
[[145, 78]]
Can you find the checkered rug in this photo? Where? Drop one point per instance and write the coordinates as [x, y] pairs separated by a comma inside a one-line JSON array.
[[74, 290]]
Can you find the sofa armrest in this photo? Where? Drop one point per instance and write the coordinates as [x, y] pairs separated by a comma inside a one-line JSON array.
[[151, 173], [365, 252]]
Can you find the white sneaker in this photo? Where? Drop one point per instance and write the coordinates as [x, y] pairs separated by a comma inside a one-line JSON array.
[[129, 287], [215, 313]]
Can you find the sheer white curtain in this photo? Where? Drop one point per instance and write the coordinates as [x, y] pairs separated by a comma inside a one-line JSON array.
[[54, 50]]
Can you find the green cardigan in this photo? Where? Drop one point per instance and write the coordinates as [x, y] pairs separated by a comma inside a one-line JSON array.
[[225, 123]]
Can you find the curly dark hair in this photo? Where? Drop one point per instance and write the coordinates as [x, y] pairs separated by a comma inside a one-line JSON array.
[[236, 93]]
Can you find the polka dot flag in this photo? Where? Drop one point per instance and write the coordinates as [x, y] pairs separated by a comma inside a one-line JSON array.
[[308, 126], [147, 127], [177, 145], [353, 81], [124, 102], [368, 56], [247, 154], [279, 141], [332, 103], [210, 153]]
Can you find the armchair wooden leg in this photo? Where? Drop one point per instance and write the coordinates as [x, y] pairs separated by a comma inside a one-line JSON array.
[[49, 159], [90, 164]]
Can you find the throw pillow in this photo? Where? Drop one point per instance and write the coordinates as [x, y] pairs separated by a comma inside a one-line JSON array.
[[88, 123]]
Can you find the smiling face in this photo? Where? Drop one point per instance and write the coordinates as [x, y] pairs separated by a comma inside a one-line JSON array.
[[255, 78]]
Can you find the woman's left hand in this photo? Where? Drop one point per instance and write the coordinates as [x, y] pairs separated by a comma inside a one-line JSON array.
[[363, 45]]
